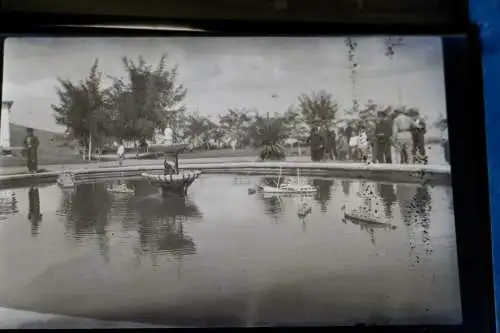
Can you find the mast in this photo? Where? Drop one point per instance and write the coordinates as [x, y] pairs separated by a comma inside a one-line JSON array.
[[279, 178]]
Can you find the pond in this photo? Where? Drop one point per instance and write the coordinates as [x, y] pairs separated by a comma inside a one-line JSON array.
[[221, 256]]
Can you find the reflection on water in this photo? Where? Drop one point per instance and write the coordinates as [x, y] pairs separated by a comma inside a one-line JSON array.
[[8, 204], [246, 259], [34, 215], [388, 196], [158, 220], [161, 224], [324, 192]]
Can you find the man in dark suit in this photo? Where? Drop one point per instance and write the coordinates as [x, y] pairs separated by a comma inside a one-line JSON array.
[[383, 135]]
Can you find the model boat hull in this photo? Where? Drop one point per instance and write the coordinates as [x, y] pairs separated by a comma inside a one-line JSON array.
[[288, 189], [371, 221]]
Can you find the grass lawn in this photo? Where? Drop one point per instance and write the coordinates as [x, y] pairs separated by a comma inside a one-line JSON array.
[[51, 157]]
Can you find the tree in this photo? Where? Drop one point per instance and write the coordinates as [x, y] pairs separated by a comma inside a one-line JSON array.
[[198, 129], [269, 133], [235, 125], [318, 108], [150, 99], [82, 107], [296, 127]]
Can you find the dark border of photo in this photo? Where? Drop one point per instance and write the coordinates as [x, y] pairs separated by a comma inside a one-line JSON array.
[[464, 97]]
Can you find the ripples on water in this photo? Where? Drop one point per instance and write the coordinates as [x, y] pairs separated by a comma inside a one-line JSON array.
[[222, 256]]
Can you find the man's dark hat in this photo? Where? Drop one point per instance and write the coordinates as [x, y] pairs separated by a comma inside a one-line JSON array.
[[29, 130]]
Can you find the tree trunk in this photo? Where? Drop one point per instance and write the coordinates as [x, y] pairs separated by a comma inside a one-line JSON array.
[[90, 147]]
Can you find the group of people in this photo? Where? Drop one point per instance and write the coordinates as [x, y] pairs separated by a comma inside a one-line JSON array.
[[403, 130]]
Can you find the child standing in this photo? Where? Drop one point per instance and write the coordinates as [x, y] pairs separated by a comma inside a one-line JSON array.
[[121, 153]]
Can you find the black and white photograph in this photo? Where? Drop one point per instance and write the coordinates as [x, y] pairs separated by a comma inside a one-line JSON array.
[[226, 181]]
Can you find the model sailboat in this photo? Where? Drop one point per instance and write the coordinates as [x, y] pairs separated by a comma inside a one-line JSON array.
[[288, 187]]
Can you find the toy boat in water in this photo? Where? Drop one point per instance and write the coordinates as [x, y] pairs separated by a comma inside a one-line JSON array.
[[304, 210], [373, 222], [288, 187], [122, 188], [66, 180]]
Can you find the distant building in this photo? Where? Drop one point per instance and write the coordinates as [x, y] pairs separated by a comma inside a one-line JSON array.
[[5, 125]]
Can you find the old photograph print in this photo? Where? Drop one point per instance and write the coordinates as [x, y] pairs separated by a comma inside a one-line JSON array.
[[223, 181]]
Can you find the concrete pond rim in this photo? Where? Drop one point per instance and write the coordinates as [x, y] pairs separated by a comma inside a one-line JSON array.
[[387, 173]]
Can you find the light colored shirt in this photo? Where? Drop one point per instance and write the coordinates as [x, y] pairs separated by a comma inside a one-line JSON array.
[[401, 127], [121, 150]]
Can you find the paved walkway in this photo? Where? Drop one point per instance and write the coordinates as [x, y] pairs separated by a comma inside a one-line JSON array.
[[60, 167]]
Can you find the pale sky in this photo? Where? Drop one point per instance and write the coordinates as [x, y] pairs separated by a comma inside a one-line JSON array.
[[229, 72]]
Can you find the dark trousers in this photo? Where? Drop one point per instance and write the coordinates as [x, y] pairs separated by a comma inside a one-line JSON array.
[[384, 151], [317, 153], [418, 148], [32, 166], [373, 146], [403, 156]]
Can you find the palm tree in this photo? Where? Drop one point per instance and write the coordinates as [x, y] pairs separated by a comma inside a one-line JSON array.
[[269, 133]]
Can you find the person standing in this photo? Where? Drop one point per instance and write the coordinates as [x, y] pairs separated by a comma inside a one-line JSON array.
[[372, 146], [418, 131], [349, 132], [316, 145], [353, 145], [383, 134], [342, 146], [325, 137], [332, 138], [120, 152], [31, 144], [363, 145], [401, 135]]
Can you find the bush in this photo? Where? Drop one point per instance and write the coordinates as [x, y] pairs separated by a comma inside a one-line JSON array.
[[272, 152]]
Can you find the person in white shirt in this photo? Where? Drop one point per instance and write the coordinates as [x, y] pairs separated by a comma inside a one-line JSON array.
[[120, 152], [363, 145], [401, 135], [353, 146]]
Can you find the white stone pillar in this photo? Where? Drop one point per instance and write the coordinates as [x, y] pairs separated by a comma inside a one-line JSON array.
[[5, 125]]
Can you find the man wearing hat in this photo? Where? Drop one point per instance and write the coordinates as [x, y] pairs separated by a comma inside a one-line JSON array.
[[383, 135], [31, 144], [401, 134]]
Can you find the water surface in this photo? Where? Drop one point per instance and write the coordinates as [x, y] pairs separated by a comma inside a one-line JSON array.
[[224, 257]]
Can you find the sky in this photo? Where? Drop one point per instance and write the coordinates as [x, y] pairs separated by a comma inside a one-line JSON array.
[[265, 73]]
